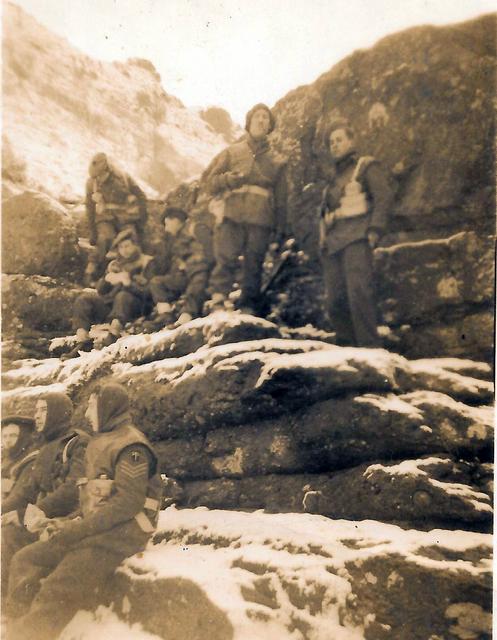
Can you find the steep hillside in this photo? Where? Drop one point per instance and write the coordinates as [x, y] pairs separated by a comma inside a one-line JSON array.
[[61, 106]]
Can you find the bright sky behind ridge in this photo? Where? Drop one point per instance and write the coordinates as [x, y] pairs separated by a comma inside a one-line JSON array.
[[234, 53]]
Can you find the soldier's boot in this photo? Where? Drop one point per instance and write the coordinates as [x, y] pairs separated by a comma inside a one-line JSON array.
[[83, 343], [218, 302]]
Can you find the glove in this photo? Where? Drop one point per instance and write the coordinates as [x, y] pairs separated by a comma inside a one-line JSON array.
[[11, 517], [34, 519]]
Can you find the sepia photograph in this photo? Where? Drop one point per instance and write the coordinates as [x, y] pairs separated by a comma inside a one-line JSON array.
[[248, 319]]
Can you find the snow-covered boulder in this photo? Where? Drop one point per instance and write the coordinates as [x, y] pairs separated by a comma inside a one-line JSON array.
[[218, 575]]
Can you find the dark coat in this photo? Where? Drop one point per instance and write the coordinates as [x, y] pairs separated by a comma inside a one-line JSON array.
[[375, 183]]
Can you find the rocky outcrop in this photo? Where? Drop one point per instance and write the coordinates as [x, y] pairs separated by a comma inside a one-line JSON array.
[[423, 493], [231, 401], [301, 576], [39, 237], [406, 97], [36, 303]]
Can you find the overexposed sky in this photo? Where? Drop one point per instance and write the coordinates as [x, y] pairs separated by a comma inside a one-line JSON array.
[[234, 53]]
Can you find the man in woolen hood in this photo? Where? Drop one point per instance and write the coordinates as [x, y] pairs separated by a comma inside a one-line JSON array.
[[50, 483], [120, 501], [248, 179]]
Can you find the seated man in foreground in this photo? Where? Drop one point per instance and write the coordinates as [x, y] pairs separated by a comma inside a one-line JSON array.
[[119, 500]]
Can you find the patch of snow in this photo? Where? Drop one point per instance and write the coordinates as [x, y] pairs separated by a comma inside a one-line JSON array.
[[103, 624]]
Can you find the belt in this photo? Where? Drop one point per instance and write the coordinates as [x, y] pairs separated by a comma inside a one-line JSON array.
[[253, 188], [339, 214]]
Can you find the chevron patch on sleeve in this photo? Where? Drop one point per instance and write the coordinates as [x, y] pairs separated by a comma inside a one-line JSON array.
[[134, 465]]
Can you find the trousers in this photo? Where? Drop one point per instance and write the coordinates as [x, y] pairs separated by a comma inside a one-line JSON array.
[[50, 583], [350, 299], [232, 239], [91, 308]]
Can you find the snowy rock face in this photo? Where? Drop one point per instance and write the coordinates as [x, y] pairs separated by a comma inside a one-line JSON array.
[[60, 107], [218, 575], [246, 417]]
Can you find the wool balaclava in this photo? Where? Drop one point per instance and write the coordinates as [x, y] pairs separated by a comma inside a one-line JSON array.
[[260, 105], [59, 415], [112, 407]]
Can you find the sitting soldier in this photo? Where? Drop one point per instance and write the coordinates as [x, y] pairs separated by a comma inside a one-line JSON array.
[[120, 500], [47, 480], [122, 294], [185, 272], [114, 202], [18, 452]]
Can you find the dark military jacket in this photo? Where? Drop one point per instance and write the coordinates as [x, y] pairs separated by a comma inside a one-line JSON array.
[[183, 253], [375, 184], [116, 199]]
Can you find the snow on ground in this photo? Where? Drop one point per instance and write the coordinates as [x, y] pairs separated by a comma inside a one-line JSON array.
[[251, 565], [103, 624]]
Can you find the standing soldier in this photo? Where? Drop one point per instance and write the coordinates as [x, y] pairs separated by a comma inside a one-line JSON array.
[[248, 180], [120, 501], [353, 216], [185, 272], [113, 202], [49, 482]]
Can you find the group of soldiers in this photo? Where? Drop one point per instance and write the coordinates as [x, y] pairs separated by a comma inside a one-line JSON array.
[[75, 503], [197, 266]]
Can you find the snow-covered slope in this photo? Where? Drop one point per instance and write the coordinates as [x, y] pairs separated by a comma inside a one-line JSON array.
[[61, 106]]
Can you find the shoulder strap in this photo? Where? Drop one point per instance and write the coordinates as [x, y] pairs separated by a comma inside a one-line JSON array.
[[16, 468], [362, 163]]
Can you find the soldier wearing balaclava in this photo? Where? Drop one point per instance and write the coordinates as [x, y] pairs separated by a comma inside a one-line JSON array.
[[49, 490], [120, 502]]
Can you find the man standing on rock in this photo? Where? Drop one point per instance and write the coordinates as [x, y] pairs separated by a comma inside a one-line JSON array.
[[120, 500], [353, 212], [249, 184], [113, 202]]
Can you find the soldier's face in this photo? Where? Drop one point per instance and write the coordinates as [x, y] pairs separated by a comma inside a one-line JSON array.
[[260, 124], [91, 413], [172, 225], [10, 435], [40, 415], [126, 249], [340, 143]]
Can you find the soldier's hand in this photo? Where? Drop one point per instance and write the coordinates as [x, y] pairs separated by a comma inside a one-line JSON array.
[[373, 239], [235, 179], [11, 517]]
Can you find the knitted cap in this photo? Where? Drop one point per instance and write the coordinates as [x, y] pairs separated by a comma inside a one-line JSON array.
[[125, 234], [260, 105], [174, 212]]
